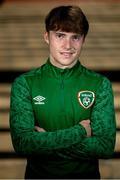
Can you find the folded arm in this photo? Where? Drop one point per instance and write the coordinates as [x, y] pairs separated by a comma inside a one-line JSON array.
[[102, 142], [26, 140]]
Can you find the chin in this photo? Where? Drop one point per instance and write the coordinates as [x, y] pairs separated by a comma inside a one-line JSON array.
[[67, 65]]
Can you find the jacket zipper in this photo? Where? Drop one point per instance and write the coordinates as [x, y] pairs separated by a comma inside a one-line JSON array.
[[62, 94]]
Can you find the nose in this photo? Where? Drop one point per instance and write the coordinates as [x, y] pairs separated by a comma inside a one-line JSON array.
[[68, 44]]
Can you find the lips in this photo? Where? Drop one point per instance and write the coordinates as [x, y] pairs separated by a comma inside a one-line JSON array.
[[66, 54]]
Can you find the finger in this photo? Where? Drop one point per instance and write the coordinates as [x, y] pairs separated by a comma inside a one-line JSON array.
[[37, 128], [87, 121]]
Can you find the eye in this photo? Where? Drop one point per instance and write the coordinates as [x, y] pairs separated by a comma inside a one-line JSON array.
[[60, 35], [76, 37]]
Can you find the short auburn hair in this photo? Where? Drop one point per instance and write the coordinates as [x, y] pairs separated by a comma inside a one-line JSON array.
[[67, 19]]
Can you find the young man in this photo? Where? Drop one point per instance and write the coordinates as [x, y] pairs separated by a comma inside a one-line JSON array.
[[62, 115]]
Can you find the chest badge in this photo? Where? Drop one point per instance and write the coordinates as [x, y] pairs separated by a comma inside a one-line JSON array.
[[86, 98], [39, 100]]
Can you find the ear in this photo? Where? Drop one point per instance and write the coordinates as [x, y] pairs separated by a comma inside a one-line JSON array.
[[46, 37]]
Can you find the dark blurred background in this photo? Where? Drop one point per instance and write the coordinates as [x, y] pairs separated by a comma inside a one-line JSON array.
[[22, 47]]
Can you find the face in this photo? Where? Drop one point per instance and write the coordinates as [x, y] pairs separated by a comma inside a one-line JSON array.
[[65, 48]]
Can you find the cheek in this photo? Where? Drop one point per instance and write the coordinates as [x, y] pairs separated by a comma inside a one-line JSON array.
[[54, 46], [53, 49], [78, 50], [79, 46], [52, 43]]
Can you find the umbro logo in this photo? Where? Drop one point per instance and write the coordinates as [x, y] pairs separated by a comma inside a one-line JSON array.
[[39, 100]]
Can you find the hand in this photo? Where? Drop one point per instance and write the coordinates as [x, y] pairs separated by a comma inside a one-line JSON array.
[[39, 129], [86, 125]]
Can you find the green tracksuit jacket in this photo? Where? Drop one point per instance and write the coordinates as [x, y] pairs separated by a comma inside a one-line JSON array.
[[57, 100]]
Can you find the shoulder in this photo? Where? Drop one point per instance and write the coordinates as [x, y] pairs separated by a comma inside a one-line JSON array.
[[102, 83], [91, 73], [94, 76], [29, 75]]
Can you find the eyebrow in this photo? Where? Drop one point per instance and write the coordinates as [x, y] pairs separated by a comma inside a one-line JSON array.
[[62, 32]]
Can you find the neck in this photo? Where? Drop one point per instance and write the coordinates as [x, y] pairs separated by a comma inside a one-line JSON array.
[[62, 66]]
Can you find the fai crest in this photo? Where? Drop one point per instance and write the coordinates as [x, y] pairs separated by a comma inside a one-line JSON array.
[[86, 98]]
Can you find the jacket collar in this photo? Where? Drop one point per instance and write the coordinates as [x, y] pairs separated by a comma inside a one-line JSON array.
[[65, 73]]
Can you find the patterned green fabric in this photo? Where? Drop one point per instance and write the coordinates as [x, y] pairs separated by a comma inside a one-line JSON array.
[[59, 113], [102, 142]]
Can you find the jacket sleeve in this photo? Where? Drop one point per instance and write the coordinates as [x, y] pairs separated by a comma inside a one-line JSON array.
[[102, 142], [24, 138]]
